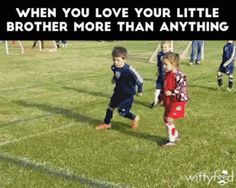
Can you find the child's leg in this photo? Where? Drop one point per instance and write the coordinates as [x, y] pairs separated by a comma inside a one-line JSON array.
[[171, 130], [34, 44], [219, 79], [109, 115], [107, 120], [199, 51], [193, 52], [159, 86], [231, 81], [156, 95], [124, 109]]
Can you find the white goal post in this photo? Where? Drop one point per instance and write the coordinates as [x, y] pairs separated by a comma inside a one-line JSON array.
[[22, 51]]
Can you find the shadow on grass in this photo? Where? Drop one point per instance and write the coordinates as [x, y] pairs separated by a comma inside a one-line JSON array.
[[203, 87], [101, 94], [124, 128], [85, 91], [59, 110], [24, 120], [118, 126]]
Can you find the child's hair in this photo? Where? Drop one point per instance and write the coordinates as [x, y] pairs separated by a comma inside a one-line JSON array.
[[119, 51], [173, 58], [166, 42], [230, 41]]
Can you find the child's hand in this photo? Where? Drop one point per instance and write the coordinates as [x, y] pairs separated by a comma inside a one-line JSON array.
[[224, 65], [139, 94], [168, 93]]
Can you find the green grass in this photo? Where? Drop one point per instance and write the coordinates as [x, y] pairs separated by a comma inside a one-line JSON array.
[[51, 102]]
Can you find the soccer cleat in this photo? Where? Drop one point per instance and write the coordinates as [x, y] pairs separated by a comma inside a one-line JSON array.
[[134, 124], [190, 63], [153, 105], [229, 89], [103, 126], [198, 63], [169, 144]]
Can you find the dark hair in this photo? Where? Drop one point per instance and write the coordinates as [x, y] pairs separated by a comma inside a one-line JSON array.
[[172, 57], [119, 51]]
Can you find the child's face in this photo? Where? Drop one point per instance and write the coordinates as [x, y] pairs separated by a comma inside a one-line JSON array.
[[118, 62], [167, 65], [165, 48]]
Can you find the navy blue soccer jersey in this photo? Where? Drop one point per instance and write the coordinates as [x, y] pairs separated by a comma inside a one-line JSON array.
[[160, 64], [228, 58], [161, 71], [126, 79]]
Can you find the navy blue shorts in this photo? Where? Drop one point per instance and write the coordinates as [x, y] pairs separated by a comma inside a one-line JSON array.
[[122, 102], [160, 82], [227, 70]]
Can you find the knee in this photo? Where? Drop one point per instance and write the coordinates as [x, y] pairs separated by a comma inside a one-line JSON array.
[[110, 108], [168, 120], [219, 74], [122, 111], [231, 76]]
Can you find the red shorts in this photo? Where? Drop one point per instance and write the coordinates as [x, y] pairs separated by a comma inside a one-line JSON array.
[[175, 110]]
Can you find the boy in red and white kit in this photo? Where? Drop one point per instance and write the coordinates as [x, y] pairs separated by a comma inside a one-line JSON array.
[[175, 95]]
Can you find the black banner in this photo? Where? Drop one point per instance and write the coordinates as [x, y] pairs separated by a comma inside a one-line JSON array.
[[146, 20]]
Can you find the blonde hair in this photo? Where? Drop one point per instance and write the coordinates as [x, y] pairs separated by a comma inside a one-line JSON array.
[[173, 58], [166, 42]]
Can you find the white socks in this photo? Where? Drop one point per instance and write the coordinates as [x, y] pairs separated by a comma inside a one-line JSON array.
[[172, 132], [157, 93]]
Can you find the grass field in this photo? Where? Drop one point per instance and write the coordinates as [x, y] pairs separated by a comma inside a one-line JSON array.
[[50, 104]]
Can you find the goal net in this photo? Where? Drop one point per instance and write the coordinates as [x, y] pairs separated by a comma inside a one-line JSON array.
[[45, 45], [14, 47]]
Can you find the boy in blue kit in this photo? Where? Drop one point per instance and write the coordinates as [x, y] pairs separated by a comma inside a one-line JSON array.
[[166, 47], [125, 78], [227, 64]]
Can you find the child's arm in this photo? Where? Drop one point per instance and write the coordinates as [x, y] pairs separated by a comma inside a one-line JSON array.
[[138, 79], [231, 58], [181, 87], [113, 78]]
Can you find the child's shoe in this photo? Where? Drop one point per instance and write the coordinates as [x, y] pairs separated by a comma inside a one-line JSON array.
[[103, 126], [229, 89], [169, 143], [198, 62], [134, 124], [153, 105]]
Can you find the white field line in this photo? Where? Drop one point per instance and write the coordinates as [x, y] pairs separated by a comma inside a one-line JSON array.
[[35, 135], [64, 173]]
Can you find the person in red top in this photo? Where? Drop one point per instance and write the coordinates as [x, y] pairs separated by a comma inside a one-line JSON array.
[[175, 95]]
